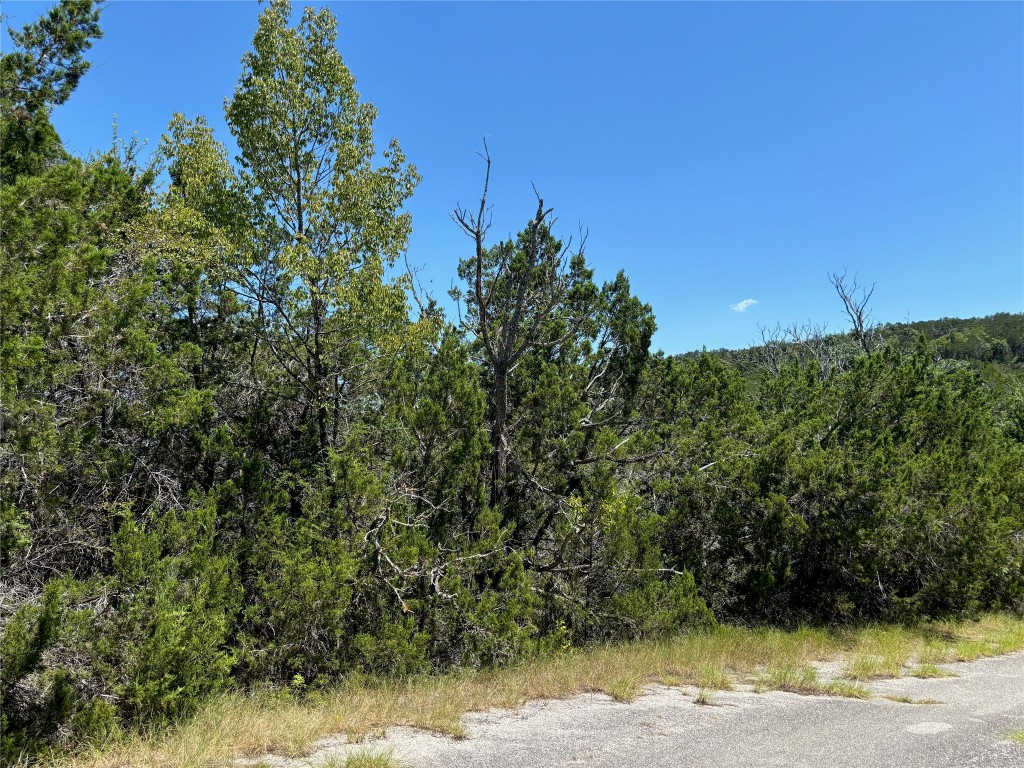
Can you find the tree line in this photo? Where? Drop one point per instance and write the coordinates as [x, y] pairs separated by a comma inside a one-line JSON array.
[[239, 449]]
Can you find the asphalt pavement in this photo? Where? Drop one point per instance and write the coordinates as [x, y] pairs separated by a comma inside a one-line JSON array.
[[664, 727]]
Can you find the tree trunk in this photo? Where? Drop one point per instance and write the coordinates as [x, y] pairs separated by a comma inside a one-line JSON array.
[[499, 436]]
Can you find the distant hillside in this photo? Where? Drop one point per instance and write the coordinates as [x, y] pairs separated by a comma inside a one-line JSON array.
[[997, 339]]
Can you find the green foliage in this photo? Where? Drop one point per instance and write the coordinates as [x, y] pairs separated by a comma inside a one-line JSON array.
[[175, 617], [866, 494], [303, 591], [230, 456], [40, 72], [644, 599], [46, 682], [47, 61], [144, 644], [997, 340], [328, 222]]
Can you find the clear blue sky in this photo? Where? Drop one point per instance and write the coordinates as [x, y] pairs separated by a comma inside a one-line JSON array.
[[715, 151]]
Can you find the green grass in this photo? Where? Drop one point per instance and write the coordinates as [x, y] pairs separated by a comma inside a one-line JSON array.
[[927, 671], [1017, 736], [705, 698], [881, 652]]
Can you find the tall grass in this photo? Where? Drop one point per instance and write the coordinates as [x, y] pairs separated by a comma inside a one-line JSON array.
[[240, 725]]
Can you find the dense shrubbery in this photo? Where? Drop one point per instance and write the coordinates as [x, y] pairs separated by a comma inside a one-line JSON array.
[[884, 492], [230, 458]]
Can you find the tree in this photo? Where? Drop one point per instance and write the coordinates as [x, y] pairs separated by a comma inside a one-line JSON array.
[[526, 295], [98, 410], [855, 300], [40, 73], [565, 365], [48, 60], [328, 224], [316, 228]]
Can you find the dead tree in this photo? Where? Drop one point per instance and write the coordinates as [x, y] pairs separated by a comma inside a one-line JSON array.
[[805, 342], [516, 287], [855, 299]]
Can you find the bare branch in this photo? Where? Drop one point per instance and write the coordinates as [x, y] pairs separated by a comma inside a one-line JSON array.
[[855, 299]]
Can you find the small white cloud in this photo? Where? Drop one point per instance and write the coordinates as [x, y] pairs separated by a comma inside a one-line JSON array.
[[742, 306]]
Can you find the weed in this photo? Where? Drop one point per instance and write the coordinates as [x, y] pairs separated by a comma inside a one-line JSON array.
[[704, 698], [845, 690], [715, 678], [366, 759], [908, 700], [793, 678], [926, 671]]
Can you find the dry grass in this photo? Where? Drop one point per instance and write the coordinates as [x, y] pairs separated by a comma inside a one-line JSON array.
[[880, 652], [908, 700], [364, 759], [927, 671], [236, 725]]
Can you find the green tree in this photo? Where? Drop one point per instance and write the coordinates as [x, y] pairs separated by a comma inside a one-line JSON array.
[[321, 227], [564, 364], [328, 223], [39, 73], [524, 295]]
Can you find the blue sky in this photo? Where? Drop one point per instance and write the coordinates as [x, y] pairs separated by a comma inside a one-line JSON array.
[[717, 152]]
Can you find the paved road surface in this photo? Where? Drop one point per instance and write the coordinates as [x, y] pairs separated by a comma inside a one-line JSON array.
[[664, 727]]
